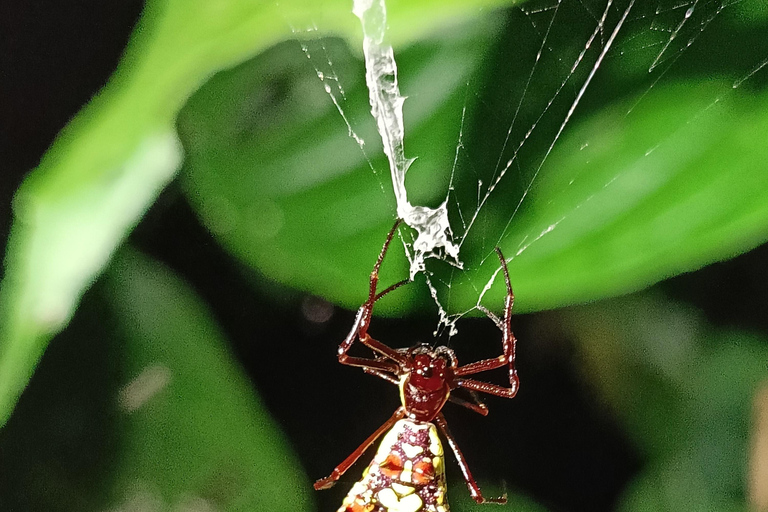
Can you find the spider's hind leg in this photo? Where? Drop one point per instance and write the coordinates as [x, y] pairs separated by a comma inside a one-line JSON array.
[[327, 482], [474, 489]]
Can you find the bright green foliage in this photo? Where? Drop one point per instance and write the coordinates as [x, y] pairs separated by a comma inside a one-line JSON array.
[[644, 184], [290, 193], [626, 219], [146, 408], [108, 165]]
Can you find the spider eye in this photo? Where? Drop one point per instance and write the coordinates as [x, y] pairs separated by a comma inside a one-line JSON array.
[[421, 360]]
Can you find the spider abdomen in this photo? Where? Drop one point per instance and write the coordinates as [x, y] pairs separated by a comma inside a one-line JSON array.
[[406, 475]]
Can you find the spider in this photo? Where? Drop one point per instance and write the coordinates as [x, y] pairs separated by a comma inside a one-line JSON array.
[[407, 472]]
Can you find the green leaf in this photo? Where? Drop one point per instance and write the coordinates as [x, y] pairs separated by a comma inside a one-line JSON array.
[[647, 181], [140, 405], [659, 190], [192, 430], [676, 485], [297, 199], [108, 165], [62, 236], [684, 392]]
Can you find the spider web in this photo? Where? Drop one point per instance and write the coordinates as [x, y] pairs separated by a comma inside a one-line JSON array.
[[544, 90]]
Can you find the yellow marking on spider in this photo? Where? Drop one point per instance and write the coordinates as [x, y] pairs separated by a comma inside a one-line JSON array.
[[402, 490], [435, 446], [358, 489], [440, 496], [389, 441], [388, 498], [407, 474], [411, 451]]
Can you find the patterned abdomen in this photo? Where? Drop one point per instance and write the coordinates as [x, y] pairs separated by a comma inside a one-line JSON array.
[[406, 475]]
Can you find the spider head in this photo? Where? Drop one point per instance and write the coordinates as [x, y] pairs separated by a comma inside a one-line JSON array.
[[426, 383]]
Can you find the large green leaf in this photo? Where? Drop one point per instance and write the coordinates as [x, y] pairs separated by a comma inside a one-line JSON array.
[[665, 189], [294, 197], [107, 166], [648, 180]]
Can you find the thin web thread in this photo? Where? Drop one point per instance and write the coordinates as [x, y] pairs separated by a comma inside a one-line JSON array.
[[434, 237]]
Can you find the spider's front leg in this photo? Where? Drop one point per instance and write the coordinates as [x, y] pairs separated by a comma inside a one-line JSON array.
[[393, 360], [509, 343], [379, 367]]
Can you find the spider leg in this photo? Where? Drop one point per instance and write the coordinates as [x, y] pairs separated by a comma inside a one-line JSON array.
[[372, 297], [474, 490], [362, 321], [476, 406], [491, 389], [327, 482], [367, 308], [363, 362], [384, 350], [509, 343], [382, 375], [393, 287]]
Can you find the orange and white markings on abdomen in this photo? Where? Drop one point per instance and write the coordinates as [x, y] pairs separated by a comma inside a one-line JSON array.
[[407, 473]]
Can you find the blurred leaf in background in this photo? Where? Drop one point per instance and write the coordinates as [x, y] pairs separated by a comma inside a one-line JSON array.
[[193, 423], [177, 426], [683, 389]]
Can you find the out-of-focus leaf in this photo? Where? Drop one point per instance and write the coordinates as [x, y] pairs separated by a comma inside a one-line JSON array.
[[684, 391], [638, 352], [192, 431], [141, 406], [107, 166], [676, 485]]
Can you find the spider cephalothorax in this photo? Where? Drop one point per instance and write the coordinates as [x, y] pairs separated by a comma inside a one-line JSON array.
[[427, 381]]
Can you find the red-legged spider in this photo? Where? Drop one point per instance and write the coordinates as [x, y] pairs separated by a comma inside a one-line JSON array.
[[407, 471]]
